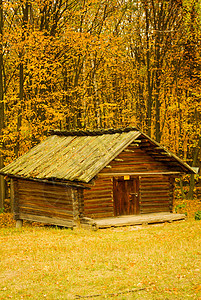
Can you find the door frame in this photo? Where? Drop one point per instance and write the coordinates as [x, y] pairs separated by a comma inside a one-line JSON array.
[[133, 196]]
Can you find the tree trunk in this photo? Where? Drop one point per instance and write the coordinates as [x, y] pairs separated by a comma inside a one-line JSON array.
[[192, 179], [149, 102], [2, 182], [21, 78]]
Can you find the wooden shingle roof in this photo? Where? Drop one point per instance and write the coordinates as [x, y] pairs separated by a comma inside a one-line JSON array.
[[80, 155]]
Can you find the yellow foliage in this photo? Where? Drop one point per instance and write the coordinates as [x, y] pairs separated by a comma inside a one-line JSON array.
[[6, 220], [92, 64]]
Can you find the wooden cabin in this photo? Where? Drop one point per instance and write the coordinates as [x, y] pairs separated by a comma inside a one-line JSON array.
[[80, 177]]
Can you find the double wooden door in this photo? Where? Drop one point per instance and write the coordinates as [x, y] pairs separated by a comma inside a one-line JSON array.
[[126, 197]]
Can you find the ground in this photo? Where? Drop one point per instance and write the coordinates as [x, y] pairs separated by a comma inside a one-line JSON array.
[[138, 262]]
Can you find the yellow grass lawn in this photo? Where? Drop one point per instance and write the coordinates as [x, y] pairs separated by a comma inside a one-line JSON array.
[[144, 262]]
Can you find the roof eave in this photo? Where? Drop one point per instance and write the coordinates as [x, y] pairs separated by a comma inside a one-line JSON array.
[[45, 180], [170, 154]]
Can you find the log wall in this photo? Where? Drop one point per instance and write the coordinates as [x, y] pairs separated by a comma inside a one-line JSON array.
[[44, 202], [156, 194], [134, 159], [65, 205], [155, 191], [98, 201], [198, 191]]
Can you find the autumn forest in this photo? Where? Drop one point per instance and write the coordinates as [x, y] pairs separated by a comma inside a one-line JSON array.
[[68, 64]]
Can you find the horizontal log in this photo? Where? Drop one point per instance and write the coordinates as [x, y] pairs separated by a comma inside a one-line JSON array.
[[147, 162], [99, 190], [41, 186], [98, 210], [47, 209], [100, 194], [137, 167], [103, 200], [144, 192], [147, 210], [99, 184], [100, 215], [150, 173], [98, 197], [149, 199], [50, 201], [154, 182], [159, 179], [46, 206], [46, 220], [154, 196], [154, 204], [97, 206], [45, 213], [157, 176], [154, 187], [154, 199], [43, 197], [65, 192]]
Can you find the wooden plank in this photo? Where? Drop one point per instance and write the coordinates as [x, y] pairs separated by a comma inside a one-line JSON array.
[[155, 187], [160, 179], [98, 197], [47, 207], [47, 220], [45, 192], [105, 190], [99, 209], [152, 193], [38, 200], [137, 169], [101, 201], [133, 163], [151, 173], [16, 199], [154, 204], [30, 186], [149, 199], [102, 215], [138, 220], [98, 206], [155, 210], [12, 194], [45, 213]]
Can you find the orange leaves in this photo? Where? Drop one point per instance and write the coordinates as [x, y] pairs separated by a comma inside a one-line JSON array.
[[92, 64]]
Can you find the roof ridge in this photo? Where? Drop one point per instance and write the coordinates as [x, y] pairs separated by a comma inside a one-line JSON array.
[[91, 132]]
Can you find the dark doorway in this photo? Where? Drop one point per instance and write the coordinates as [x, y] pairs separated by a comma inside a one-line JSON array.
[[126, 197]]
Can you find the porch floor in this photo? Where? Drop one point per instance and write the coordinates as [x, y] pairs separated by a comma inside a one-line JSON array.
[[138, 219]]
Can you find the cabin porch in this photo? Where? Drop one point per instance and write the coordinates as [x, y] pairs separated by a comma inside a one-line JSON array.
[[137, 220]]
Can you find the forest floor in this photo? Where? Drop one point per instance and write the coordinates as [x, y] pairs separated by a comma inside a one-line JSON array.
[[160, 261]]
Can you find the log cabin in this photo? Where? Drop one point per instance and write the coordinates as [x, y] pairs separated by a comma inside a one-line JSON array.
[[88, 177]]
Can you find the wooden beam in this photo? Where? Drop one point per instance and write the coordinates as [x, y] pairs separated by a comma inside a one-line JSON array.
[[137, 141], [62, 183], [19, 223], [139, 173], [12, 195], [47, 220], [128, 150], [139, 219]]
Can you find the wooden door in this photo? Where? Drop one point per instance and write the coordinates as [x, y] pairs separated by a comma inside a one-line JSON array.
[[126, 197]]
